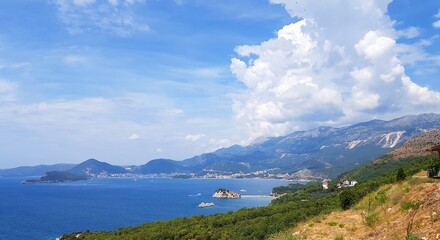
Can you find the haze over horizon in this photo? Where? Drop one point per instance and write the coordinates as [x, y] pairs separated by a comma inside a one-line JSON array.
[[127, 81]]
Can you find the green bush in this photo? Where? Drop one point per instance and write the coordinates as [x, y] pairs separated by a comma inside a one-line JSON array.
[[401, 175], [371, 219], [433, 167], [347, 199]]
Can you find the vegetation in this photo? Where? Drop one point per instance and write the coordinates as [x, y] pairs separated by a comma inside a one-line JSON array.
[[433, 167], [284, 212], [401, 175], [57, 176], [291, 188], [61, 176]]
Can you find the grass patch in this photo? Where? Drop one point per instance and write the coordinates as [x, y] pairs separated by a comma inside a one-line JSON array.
[[409, 205], [332, 224], [371, 219]]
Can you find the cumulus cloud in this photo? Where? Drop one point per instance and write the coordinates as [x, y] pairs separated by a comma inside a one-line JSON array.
[[134, 137], [111, 16], [337, 65], [194, 137]]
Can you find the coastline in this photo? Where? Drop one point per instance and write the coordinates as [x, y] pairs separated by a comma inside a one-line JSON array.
[[135, 202]]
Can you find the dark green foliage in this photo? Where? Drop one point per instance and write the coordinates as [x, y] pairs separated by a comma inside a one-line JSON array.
[[386, 165], [347, 198], [61, 176], [255, 223], [291, 188], [57, 176], [433, 167], [401, 175]]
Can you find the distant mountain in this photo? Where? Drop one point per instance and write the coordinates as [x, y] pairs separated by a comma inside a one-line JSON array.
[[34, 170], [324, 150], [417, 146], [320, 152], [160, 166], [94, 167]]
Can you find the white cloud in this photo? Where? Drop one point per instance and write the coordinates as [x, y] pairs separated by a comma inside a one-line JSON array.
[[83, 2], [373, 46], [339, 64], [134, 137], [409, 33], [194, 137], [74, 59], [436, 24], [113, 16], [8, 91]]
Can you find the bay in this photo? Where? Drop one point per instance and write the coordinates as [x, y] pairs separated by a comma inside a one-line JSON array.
[[46, 211]]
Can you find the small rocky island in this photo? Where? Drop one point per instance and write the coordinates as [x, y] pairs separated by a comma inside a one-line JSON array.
[[225, 193], [206, 204], [57, 177]]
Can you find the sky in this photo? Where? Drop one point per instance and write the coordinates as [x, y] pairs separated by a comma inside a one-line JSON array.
[[127, 81]]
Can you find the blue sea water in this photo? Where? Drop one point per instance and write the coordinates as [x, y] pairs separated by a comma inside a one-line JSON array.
[[46, 211]]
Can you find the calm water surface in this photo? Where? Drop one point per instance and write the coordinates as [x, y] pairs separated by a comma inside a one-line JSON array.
[[45, 211]]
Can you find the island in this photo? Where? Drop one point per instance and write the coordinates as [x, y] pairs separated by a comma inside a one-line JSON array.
[[57, 177], [207, 204], [225, 193]]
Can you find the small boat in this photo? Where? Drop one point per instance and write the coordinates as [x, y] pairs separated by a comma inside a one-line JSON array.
[[242, 190]]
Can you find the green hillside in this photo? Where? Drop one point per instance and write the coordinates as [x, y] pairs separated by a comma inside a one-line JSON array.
[[283, 213]]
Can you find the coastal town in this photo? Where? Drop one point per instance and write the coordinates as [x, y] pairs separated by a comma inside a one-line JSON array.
[[273, 173]]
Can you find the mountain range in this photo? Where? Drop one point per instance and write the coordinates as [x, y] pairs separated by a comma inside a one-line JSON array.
[[323, 151]]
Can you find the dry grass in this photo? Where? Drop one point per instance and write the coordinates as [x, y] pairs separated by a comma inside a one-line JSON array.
[[380, 215]]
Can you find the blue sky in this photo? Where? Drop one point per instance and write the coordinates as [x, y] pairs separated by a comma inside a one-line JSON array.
[[127, 81]]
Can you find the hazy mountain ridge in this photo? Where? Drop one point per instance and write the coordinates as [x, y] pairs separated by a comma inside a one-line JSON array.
[[323, 151], [35, 170], [95, 167]]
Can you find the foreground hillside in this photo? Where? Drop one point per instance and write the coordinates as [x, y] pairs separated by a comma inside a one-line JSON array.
[[395, 211]]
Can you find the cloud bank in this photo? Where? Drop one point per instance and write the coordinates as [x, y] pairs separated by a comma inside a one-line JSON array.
[[338, 64], [116, 17]]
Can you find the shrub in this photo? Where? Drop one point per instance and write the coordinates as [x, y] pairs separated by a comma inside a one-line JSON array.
[[433, 167], [371, 219], [347, 199], [401, 175], [410, 205]]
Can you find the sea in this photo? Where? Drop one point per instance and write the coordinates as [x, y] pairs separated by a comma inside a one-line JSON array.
[[46, 211]]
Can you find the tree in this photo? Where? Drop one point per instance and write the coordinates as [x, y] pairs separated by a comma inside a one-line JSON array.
[[401, 175], [433, 167], [347, 199]]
